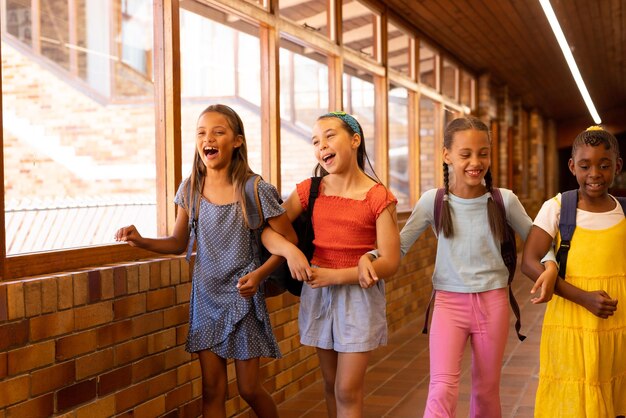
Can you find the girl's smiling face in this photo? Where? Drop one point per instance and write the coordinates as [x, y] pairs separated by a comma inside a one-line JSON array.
[[470, 157], [335, 149], [595, 168], [215, 140]]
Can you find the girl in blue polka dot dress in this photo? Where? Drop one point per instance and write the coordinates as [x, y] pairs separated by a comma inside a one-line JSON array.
[[228, 317]]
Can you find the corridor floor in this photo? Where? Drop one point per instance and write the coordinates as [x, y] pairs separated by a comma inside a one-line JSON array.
[[397, 379]]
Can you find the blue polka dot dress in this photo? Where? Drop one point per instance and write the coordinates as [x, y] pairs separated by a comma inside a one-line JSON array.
[[220, 320]]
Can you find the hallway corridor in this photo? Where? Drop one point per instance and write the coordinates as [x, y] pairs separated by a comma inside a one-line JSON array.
[[397, 379]]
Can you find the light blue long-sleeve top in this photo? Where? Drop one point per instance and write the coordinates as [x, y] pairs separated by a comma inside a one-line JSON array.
[[470, 261]]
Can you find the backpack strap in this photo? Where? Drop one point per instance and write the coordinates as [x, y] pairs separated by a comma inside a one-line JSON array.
[[508, 248], [254, 210], [314, 192], [438, 204], [254, 213], [622, 201], [193, 221], [567, 225]]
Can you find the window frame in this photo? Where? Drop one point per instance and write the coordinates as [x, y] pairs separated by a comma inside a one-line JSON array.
[[167, 86]]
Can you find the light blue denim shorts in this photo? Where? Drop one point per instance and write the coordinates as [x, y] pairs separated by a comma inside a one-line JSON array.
[[343, 318]]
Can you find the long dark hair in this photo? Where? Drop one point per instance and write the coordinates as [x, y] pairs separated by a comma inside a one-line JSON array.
[[497, 218], [238, 170]]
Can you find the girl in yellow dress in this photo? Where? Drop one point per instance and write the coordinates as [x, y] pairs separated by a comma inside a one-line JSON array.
[[583, 342]]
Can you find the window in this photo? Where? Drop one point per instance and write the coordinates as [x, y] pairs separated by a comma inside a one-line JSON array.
[[465, 90], [310, 14], [303, 98], [448, 79], [427, 66], [429, 148], [78, 165], [398, 50], [358, 100], [228, 72], [360, 28], [399, 180]]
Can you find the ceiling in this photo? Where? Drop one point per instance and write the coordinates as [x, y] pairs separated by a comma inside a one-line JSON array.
[[513, 41]]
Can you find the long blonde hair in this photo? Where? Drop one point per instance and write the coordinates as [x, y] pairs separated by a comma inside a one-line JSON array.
[[238, 170]]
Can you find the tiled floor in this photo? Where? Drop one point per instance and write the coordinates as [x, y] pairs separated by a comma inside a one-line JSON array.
[[397, 379]]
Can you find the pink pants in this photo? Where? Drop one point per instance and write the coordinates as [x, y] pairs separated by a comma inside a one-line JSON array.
[[484, 318]]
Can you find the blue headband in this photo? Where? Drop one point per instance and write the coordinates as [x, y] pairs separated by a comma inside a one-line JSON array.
[[347, 118]]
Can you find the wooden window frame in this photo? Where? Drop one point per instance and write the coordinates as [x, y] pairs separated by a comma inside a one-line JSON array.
[[167, 109]]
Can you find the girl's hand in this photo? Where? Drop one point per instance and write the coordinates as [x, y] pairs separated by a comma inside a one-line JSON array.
[[299, 266], [129, 235], [545, 281], [248, 285], [367, 274], [322, 277], [599, 303]]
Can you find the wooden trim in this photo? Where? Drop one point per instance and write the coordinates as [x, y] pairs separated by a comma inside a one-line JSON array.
[[270, 104], [402, 79], [72, 19], [381, 103], [35, 23], [413, 55], [115, 47], [381, 128], [414, 148], [35, 264], [3, 245], [167, 108], [3, 16], [333, 18], [365, 63], [438, 67], [335, 83]]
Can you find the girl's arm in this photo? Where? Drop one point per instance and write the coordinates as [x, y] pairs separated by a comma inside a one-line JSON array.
[[598, 302], [278, 245], [387, 263], [421, 217], [248, 284], [173, 244], [538, 243]]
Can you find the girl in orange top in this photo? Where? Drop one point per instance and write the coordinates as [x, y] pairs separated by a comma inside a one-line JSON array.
[[352, 215]]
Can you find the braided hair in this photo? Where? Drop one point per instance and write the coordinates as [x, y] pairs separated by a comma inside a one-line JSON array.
[[497, 218], [596, 136]]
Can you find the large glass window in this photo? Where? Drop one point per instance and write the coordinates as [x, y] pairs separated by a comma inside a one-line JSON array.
[[448, 79], [427, 66], [398, 49], [303, 98], [311, 14], [359, 100], [219, 64], [465, 89], [359, 28], [80, 164], [399, 145], [429, 147]]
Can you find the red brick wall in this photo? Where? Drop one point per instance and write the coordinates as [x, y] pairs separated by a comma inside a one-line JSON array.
[[109, 341]]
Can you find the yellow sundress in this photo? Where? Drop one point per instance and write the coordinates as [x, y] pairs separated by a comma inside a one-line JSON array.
[[583, 357]]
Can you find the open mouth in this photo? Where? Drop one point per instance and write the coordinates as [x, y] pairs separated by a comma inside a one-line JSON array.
[[208, 151], [327, 157]]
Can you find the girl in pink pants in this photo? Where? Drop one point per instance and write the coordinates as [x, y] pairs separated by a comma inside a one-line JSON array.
[[470, 279]]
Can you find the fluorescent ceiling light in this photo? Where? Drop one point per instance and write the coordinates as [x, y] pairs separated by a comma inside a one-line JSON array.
[[556, 28]]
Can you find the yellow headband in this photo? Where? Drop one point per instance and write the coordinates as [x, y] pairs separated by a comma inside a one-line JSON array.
[[595, 128]]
